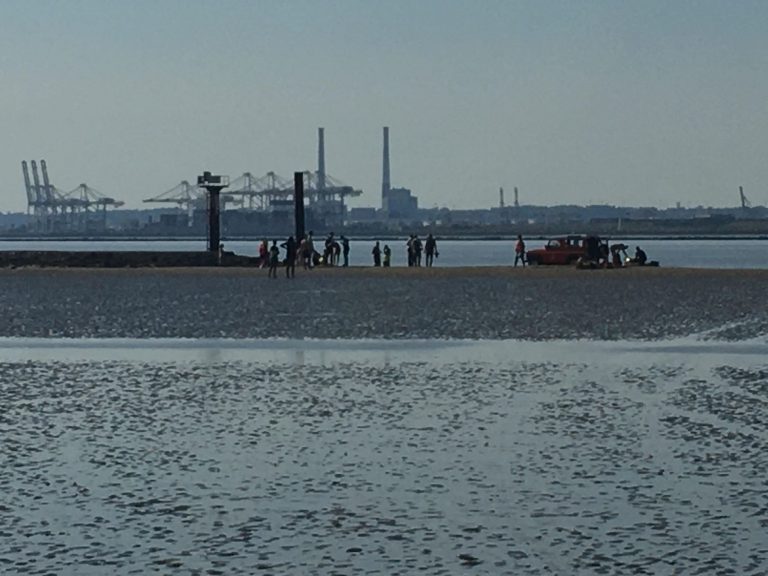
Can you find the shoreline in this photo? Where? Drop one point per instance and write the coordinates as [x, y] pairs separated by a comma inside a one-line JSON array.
[[393, 271]]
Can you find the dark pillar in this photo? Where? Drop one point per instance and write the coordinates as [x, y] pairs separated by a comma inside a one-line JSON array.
[[298, 199], [214, 220], [213, 184]]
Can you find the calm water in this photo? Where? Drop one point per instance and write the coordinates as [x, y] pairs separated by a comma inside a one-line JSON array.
[[671, 253]]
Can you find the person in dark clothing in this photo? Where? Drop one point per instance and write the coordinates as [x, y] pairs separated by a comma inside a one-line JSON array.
[[291, 250], [640, 256], [430, 249], [520, 250], [376, 254], [387, 255], [410, 249], [274, 259], [328, 252], [345, 249], [417, 249]]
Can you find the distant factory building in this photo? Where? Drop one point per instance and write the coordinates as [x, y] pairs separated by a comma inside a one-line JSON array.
[[396, 203], [363, 214], [402, 204]]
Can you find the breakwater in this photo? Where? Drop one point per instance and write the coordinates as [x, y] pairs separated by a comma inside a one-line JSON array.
[[119, 259]]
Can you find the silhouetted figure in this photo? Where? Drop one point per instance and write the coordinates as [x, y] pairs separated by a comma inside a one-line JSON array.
[[290, 257], [520, 250], [617, 250], [263, 254], [274, 259], [328, 251], [345, 249], [309, 252], [387, 255], [430, 249], [594, 252], [417, 249], [410, 249], [640, 256], [376, 254]]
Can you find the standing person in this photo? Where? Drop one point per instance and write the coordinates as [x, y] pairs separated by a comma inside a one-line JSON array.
[[520, 250], [274, 259], [376, 254], [387, 255], [302, 252], [335, 252], [309, 252], [328, 252], [345, 249], [417, 248], [263, 254], [430, 249], [409, 247], [290, 257]]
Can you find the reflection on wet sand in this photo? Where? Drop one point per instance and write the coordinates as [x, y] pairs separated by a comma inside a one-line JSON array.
[[225, 457]]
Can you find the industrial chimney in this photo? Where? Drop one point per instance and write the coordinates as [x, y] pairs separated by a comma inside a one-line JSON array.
[[501, 197], [385, 183], [321, 159]]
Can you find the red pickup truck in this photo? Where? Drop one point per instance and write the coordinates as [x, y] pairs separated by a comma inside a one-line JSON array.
[[568, 249]]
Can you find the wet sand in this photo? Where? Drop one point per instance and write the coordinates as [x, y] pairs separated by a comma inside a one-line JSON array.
[[621, 464], [489, 303], [392, 455]]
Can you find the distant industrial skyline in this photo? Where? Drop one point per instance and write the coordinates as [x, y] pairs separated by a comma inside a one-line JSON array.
[[648, 103]]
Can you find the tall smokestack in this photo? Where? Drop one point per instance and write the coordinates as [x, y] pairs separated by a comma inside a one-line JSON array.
[[321, 159], [385, 183], [517, 199], [501, 197]]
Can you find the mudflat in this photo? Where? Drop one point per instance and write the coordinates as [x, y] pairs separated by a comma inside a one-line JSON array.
[[450, 303]]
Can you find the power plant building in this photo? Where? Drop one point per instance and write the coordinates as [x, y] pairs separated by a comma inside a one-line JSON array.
[[402, 204], [396, 203]]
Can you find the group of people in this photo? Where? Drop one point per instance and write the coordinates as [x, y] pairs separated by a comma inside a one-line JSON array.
[[620, 258], [303, 251], [334, 249], [414, 250]]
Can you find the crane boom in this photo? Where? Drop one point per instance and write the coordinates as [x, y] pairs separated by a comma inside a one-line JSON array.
[[38, 193], [47, 189], [745, 203], [28, 185]]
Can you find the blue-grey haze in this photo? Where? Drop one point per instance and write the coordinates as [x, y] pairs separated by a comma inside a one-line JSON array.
[[642, 103]]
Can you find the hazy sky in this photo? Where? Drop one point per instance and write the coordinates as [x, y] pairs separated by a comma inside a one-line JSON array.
[[641, 103]]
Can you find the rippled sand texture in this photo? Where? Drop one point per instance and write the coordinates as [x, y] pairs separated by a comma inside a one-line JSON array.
[[491, 303], [122, 468]]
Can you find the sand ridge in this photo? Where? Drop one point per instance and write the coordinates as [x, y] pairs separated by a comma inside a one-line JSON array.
[[493, 302]]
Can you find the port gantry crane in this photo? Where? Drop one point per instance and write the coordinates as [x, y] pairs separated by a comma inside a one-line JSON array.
[[327, 196], [53, 208], [270, 192], [258, 193], [186, 196], [84, 200]]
